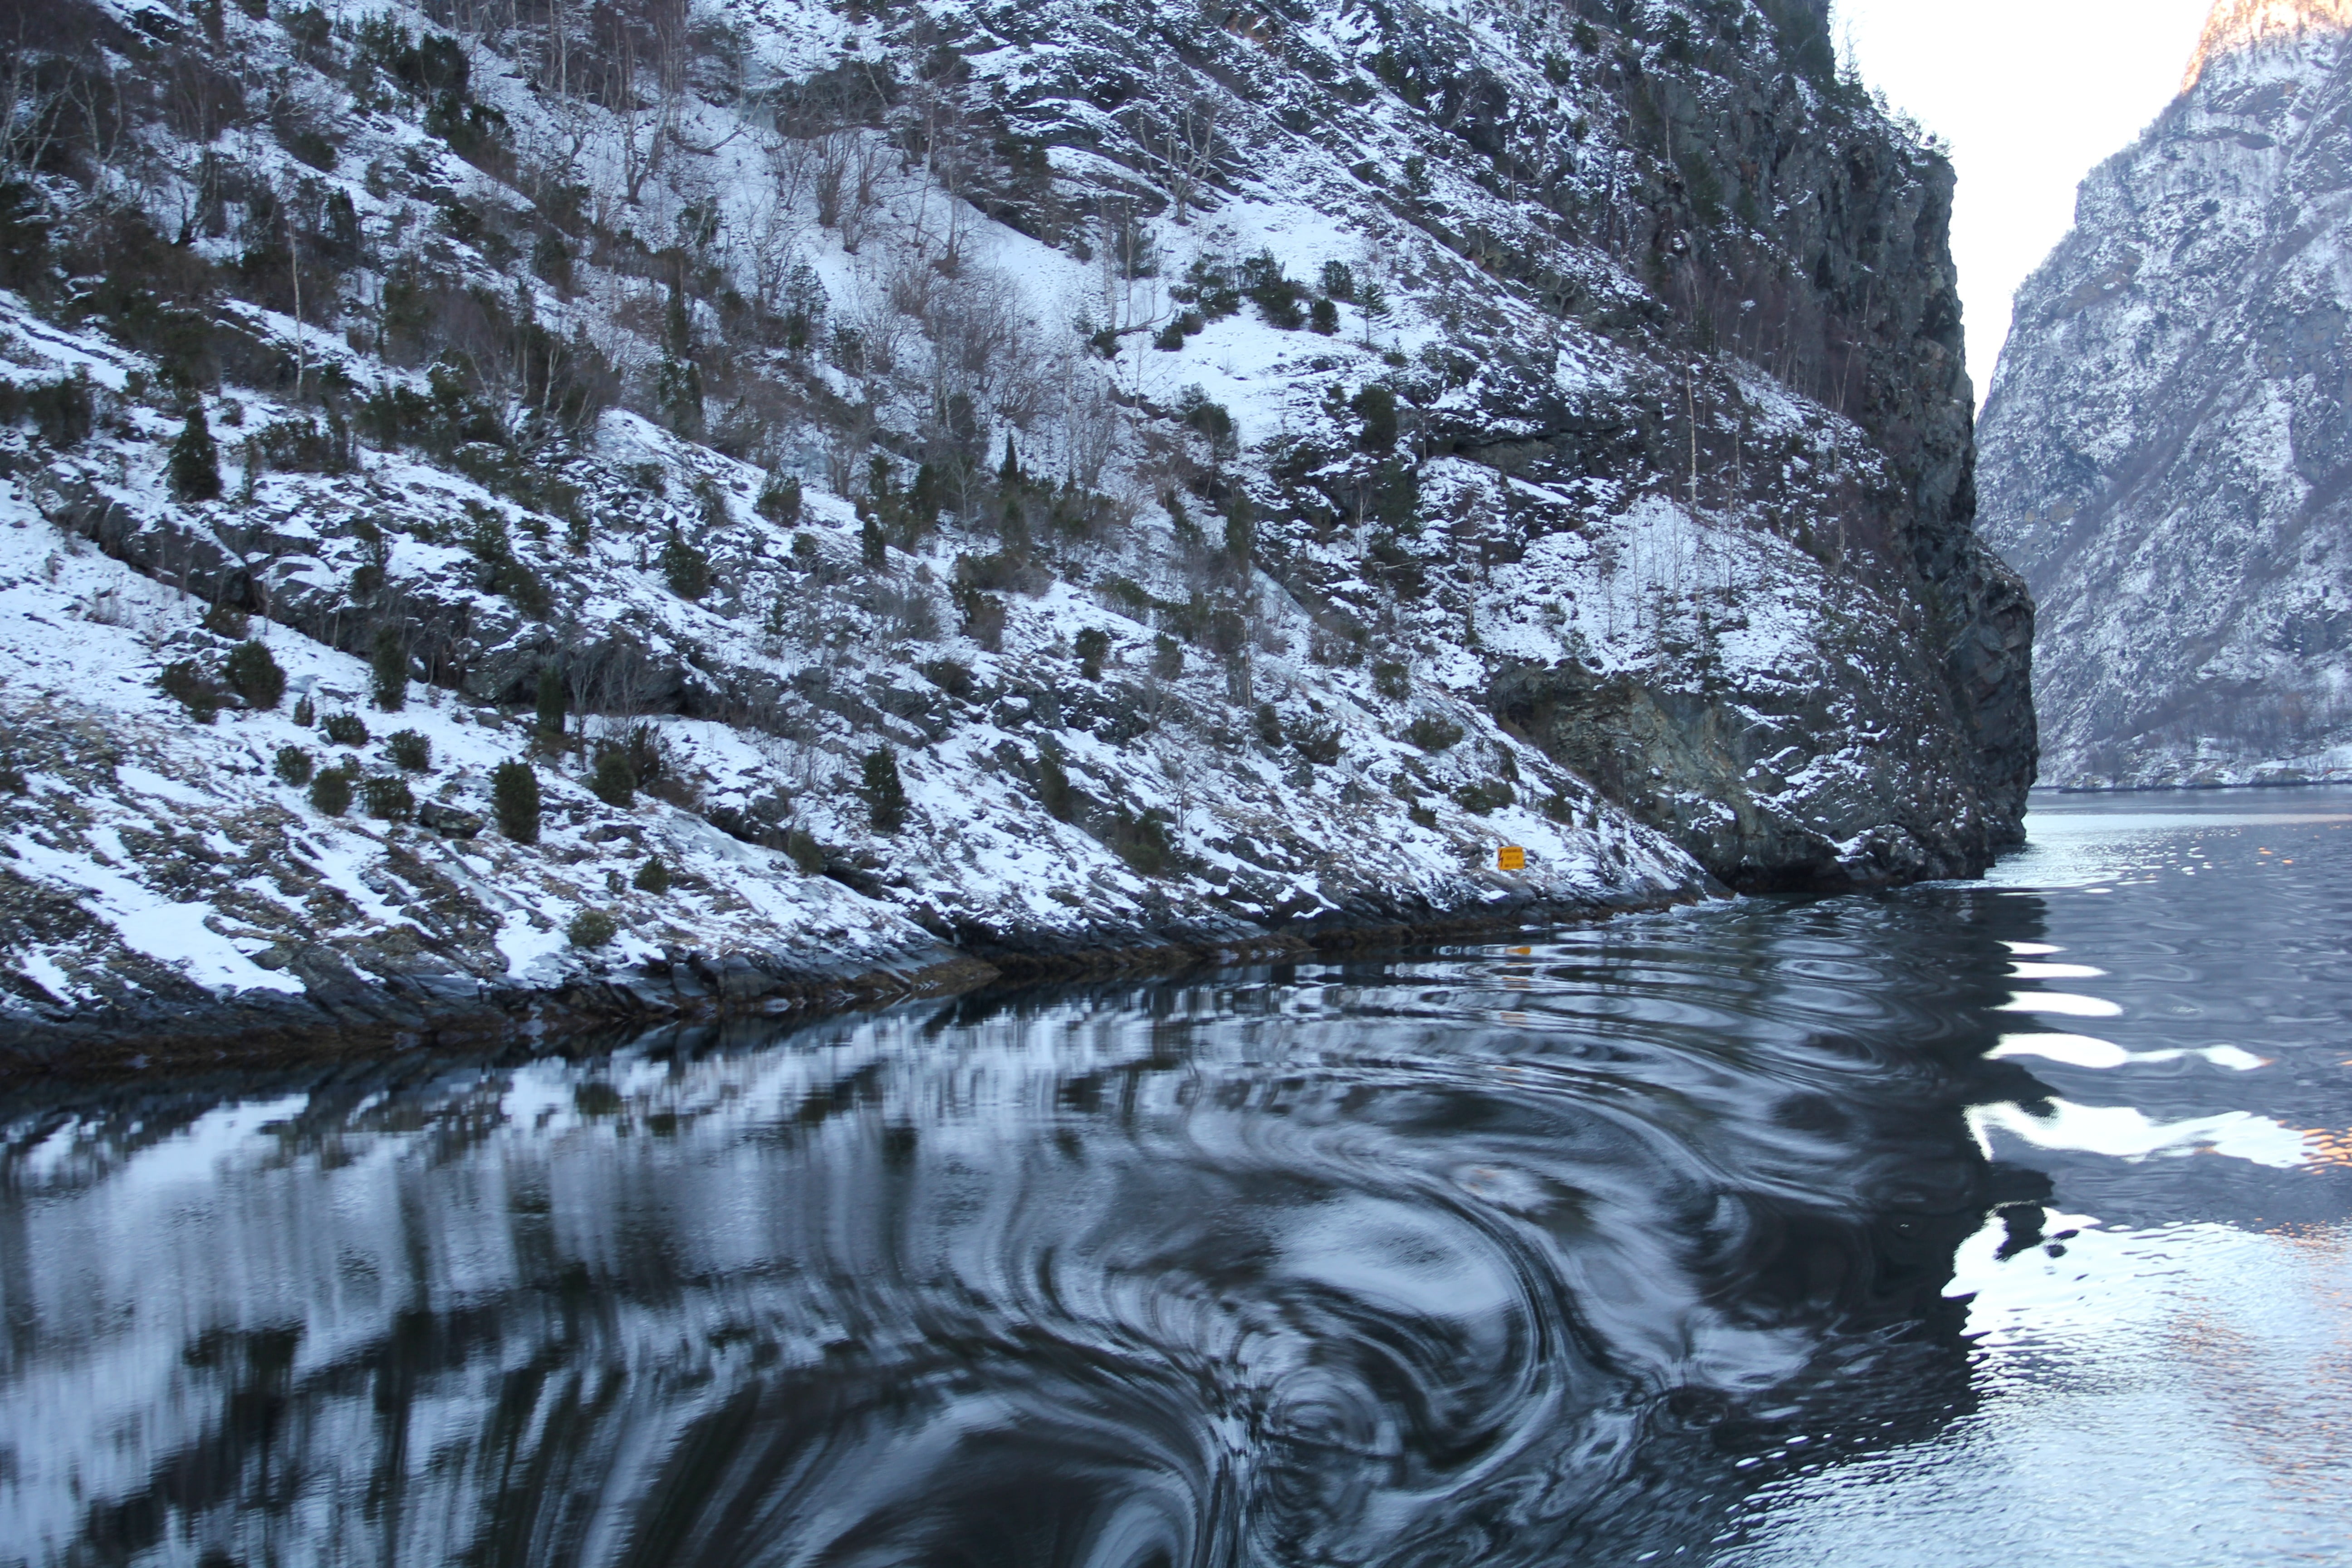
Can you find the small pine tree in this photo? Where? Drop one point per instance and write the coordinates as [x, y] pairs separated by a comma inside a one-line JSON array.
[[253, 675], [1009, 476], [614, 781], [686, 569], [591, 928], [884, 793], [1376, 407], [551, 703], [390, 666], [1241, 530], [330, 791], [1093, 646], [1269, 724], [780, 501], [411, 751], [872, 543], [514, 800], [389, 797], [194, 465], [1053, 791]]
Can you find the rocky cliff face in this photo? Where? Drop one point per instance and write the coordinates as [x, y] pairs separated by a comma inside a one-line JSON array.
[[2168, 453], [923, 484]]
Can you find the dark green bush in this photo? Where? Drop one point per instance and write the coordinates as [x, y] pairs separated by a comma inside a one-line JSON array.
[[780, 501], [1054, 789], [1241, 530], [807, 854], [306, 713], [253, 675], [411, 751], [1276, 296], [62, 411], [1142, 842], [950, 676], [653, 876], [1376, 407], [982, 615], [185, 682], [389, 670], [330, 792], [614, 782], [551, 703], [1484, 796], [346, 730], [388, 796], [1433, 734], [591, 928], [514, 800], [1269, 724], [1212, 420], [1093, 645], [884, 793], [1393, 680], [685, 569], [193, 469], [293, 766], [1316, 740]]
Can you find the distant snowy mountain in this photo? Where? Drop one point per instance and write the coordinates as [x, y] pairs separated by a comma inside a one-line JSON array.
[[2168, 448], [921, 488]]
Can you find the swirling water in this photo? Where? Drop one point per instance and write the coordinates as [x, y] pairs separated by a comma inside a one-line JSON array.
[[1949, 1226]]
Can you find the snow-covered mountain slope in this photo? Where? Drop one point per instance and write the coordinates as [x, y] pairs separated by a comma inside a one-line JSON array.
[[2167, 449], [956, 484]]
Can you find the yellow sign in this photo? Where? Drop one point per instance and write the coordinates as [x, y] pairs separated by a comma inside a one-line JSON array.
[[1511, 857]]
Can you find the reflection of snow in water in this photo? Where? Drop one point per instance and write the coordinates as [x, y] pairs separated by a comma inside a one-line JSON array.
[[2065, 1004], [2088, 1051], [2055, 972], [2126, 1133], [2174, 1395]]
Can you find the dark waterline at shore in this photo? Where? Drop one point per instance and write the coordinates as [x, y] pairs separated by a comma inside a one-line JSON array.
[[1651, 1240]]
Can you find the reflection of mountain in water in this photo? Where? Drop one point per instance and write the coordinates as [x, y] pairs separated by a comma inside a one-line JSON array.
[[1454, 1261]]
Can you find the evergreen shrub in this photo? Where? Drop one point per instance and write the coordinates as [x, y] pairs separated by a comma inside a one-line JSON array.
[[253, 675], [514, 800]]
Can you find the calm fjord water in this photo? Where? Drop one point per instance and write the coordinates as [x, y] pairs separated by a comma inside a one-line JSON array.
[[1960, 1226]]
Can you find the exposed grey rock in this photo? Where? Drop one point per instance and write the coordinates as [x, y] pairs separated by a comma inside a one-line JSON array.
[[2167, 450]]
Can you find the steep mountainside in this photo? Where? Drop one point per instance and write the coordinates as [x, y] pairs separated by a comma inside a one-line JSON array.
[[2167, 448], [925, 485]]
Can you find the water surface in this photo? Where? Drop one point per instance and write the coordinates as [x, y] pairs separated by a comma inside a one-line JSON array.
[[1951, 1226]]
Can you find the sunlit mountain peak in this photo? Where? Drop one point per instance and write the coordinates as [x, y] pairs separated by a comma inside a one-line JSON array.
[[2236, 24]]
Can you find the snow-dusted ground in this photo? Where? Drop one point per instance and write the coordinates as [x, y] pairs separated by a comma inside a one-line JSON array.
[[1281, 739], [197, 871]]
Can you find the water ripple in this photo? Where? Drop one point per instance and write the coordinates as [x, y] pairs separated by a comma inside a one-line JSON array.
[[1492, 1256]]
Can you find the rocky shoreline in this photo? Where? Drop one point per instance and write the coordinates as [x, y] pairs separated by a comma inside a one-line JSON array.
[[263, 1032]]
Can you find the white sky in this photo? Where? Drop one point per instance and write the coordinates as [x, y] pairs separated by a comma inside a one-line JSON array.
[[2032, 95]]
